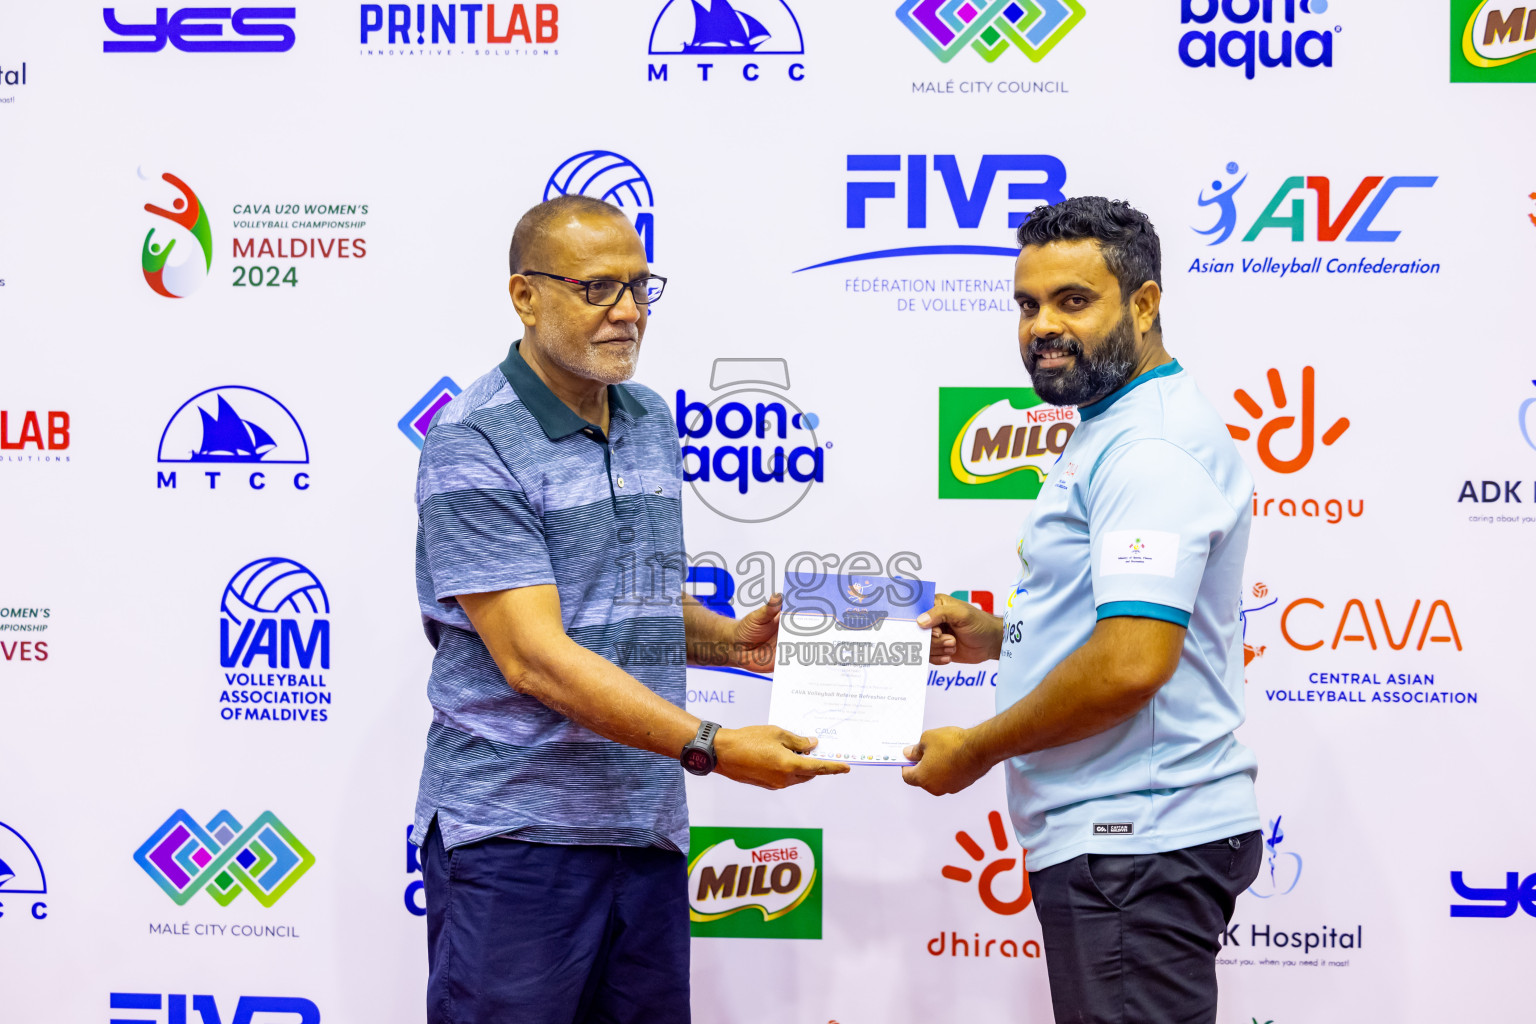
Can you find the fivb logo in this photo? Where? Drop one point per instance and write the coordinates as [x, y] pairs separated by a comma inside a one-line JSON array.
[[603, 174], [237, 427], [201, 30], [990, 27], [1246, 47], [225, 858], [760, 883], [883, 175], [292, 1010], [182, 278], [747, 482], [1328, 227]]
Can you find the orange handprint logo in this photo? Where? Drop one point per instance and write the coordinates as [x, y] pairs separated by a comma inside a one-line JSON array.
[[991, 871], [1279, 423]]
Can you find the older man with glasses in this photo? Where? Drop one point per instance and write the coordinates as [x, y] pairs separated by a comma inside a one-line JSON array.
[[549, 568]]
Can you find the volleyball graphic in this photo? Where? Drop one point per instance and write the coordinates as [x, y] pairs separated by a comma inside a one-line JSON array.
[[269, 586], [602, 174]]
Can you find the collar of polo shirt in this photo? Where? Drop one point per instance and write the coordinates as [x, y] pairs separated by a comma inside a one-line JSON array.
[[1093, 409], [554, 416]]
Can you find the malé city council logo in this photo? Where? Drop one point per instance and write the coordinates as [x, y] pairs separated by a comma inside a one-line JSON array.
[[224, 858], [177, 280], [990, 27], [613, 178]]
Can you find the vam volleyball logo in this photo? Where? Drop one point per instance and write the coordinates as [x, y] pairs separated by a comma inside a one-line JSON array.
[[180, 229], [613, 178], [275, 619], [990, 28], [759, 883]]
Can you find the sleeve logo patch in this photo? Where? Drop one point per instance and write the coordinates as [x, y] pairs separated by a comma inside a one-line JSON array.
[[1139, 552], [1113, 828]]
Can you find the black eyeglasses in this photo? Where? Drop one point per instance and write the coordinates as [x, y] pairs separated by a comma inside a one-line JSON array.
[[604, 292]]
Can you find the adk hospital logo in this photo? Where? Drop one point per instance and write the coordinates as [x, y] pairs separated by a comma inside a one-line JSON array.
[[999, 442], [1492, 41], [275, 644], [755, 883], [1362, 217], [22, 880], [236, 432], [224, 858], [990, 27]]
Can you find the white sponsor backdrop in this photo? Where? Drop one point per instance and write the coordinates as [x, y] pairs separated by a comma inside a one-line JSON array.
[[112, 719]]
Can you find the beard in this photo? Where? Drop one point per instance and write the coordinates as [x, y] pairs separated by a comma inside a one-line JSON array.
[[1090, 377], [607, 364]]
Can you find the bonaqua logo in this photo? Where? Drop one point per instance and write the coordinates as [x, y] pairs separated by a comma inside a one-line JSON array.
[[990, 27], [180, 279], [613, 178], [1251, 47], [224, 858]]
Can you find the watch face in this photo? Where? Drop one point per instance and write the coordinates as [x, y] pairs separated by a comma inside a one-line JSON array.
[[697, 762]]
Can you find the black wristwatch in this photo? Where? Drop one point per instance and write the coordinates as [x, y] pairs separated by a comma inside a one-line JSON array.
[[698, 756]]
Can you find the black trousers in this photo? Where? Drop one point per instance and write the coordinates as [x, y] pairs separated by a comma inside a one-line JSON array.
[[1132, 938]]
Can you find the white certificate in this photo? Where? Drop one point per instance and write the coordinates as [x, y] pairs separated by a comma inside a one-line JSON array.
[[852, 665]]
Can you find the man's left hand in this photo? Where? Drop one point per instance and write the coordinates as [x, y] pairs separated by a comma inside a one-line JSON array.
[[754, 641], [945, 763]]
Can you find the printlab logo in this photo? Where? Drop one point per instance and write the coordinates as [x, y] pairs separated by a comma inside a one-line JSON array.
[[603, 174], [999, 442], [1515, 895], [225, 858], [248, 1009], [237, 428], [1252, 652], [1008, 854], [1328, 227], [202, 30], [440, 24], [881, 176], [275, 618], [179, 279], [747, 482], [47, 432], [757, 883], [990, 27], [1282, 868], [1305, 443], [21, 872], [1490, 41], [1246, 47], [415, 422], [714, 29]]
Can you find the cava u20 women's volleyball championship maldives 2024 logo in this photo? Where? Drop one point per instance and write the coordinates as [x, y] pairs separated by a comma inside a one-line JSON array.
[[186, 222]]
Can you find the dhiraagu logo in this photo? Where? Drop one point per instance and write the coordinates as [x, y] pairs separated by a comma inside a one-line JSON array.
[[999, 442], [755, 883], [1490, 41]]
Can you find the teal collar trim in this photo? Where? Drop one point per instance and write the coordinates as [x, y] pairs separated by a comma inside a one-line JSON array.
[[1088, 412], [554, 416]]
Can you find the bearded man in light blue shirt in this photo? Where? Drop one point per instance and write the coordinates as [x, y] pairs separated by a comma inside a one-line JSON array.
[[1121, 662]]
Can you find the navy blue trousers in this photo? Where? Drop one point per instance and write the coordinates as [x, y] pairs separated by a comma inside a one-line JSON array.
[[1132, 939], [527, 933]]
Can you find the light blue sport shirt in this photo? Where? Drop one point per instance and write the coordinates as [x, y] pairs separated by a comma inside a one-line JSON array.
[[1146, 513]]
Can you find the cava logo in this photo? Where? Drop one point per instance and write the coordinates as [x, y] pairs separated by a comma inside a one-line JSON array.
[[275, 619], [1490, 41], [755, 883], [990, 27], [237, 426], [226, 858], [21, 873], [602, 174], [188, 220], [999, 442]]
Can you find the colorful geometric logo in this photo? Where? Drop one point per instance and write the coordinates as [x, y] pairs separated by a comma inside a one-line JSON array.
[[178, 280], [1490, 41], [755, 883], [414, 424], [225, 858], [990, 26]]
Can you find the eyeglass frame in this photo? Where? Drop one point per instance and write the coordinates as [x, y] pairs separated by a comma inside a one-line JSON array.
[[629, 286]]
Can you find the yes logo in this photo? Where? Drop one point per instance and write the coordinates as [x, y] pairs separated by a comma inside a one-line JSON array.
[[179, 279], [761, 883], [1283, 870], [201, 30], [1002, 864], [990, 27], [999, 442], [1490, 41], [1499, 902], [1305, 442]]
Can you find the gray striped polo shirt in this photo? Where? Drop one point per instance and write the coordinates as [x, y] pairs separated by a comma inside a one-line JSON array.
[[516, 490]]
